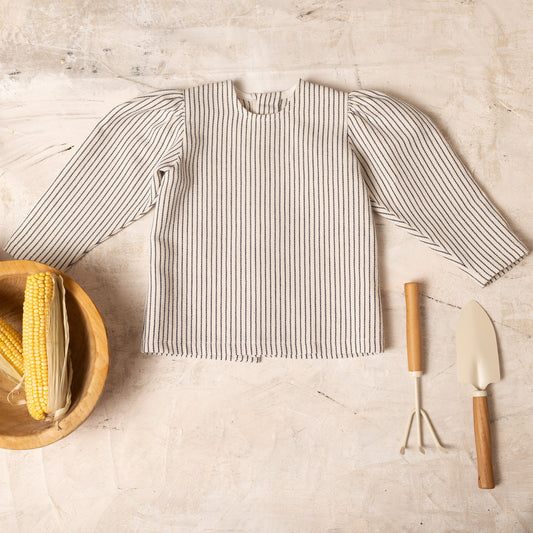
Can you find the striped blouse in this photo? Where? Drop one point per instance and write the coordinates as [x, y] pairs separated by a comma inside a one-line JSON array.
[[263, 241]]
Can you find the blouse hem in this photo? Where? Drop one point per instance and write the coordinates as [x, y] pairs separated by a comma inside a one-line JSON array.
[[255, 358]]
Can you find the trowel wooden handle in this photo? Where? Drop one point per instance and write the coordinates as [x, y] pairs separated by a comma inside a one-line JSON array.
[[414, 343], [485, 476]]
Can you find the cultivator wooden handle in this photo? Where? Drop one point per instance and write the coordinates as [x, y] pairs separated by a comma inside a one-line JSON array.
[[414, 338]]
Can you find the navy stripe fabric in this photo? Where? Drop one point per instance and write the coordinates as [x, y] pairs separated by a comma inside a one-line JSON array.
[[263, 240], [416, 180]]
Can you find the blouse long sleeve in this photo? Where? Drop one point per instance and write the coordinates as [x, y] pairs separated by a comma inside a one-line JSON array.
[[112, 180], [415, 179]]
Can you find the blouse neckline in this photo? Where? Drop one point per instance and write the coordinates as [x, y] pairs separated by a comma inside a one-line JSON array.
[[290, 96]]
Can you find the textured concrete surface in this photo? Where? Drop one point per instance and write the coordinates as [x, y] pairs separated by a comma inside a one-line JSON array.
[[178, 445]]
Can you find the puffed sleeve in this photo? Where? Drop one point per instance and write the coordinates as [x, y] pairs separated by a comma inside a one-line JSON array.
[[415, 179], [111, 180]]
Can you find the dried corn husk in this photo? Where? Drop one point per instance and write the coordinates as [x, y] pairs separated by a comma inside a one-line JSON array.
[[59, 365]]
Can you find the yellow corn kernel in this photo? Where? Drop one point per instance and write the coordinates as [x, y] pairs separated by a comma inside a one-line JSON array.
[[35, 325], [11, 349]]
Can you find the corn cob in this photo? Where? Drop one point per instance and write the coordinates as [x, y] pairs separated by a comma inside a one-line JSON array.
[[45, 335], [10, 351]]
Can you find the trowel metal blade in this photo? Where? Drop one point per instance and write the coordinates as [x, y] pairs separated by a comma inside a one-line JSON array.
[[477, 349]]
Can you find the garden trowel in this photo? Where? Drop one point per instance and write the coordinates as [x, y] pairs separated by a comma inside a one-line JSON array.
[[478, 364]]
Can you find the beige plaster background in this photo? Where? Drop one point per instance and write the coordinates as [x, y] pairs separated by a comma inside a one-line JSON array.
[[180, 445]]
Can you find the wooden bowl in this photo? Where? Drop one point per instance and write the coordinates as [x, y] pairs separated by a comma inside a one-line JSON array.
[[89, 353]]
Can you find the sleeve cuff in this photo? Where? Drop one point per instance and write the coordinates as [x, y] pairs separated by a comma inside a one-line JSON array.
[[495, 272]]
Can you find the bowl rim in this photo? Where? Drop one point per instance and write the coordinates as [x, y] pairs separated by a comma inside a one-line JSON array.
[[85, 406]]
